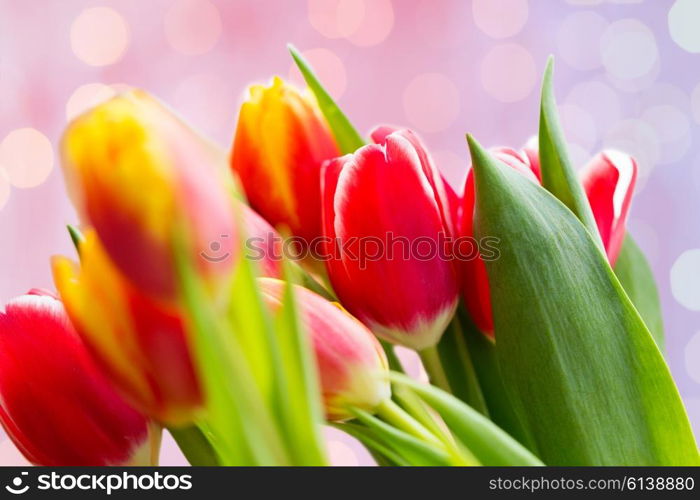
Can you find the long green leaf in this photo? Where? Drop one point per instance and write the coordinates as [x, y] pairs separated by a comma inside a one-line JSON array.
[[558, 175], [634, 273], [299, 398], [583, 371], [237, 410], [483, 353], [487, 442], [347, 138]]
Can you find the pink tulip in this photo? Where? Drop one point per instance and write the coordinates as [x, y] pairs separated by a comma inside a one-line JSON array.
[[351, 364]]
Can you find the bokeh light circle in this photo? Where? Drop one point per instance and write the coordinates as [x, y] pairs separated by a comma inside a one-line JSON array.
[[672, 128], [685, 285], [695, 103], [683, 24], [598, 100], [431, 102], [508, 72], [500, 18], [336, 18], [578, 155], [692, 356], [27, 157], [86, 97], [192, 27], [578, 26], [645, 235], [443, 27], [341, 454], [99, 36], [579, 125], [205, 100], [639, 139], [376, 25], [628, 49], [329, 68], [4, 188]]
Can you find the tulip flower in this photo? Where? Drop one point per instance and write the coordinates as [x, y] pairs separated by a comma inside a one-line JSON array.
[[280, 144], [387, 214], [55, 404], [137, 176], [608, 181], [351, 364], [138, 340]]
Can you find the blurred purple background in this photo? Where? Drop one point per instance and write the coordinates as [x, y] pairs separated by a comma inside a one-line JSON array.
[[626, 77]]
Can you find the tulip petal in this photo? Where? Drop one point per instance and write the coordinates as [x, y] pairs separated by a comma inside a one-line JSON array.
[[609, 180]]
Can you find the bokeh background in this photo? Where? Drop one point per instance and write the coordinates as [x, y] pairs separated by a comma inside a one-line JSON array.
[[626, 75]]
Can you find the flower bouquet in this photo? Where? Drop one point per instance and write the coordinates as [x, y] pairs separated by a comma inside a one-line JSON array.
[[242, 301]]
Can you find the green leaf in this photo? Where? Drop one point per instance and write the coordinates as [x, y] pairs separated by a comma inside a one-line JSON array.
[[194, 445], [558, 175], [582, 370], [483, 353], [634, 273], [237, 410], [299, 400], [347, 138], [487, 442], [76, 236]]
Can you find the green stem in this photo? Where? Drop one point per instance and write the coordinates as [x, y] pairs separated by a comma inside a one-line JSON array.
[[433, 365], [397, 416], [194, 445]]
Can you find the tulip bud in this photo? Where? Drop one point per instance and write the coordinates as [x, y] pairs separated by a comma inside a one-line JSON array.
[[137, 176], [138, 340], [608, 181], [351, 364], [386, 217], [280, 143], [55, 404]]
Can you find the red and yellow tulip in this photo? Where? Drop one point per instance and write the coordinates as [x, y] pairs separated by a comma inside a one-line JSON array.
[[139, 340], [280, 144], [137, 175], [55, 404]]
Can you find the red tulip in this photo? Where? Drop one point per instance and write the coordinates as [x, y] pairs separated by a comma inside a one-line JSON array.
[[386, 215], [351, 364], [55, 404], [608, 181]]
